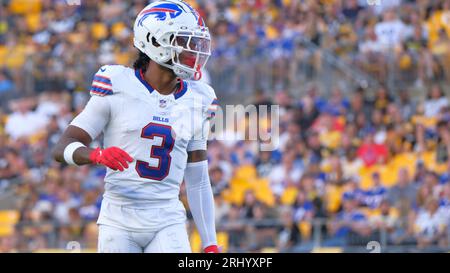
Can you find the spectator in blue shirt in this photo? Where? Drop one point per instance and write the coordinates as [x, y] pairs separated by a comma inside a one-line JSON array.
[[374, 196], [350, 220]]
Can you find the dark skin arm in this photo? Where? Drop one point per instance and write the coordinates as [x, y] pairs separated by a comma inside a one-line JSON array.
[[73, 134], [81, 155], [197, 156]]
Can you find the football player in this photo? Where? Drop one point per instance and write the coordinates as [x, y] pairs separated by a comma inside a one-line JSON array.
[[154, 118]]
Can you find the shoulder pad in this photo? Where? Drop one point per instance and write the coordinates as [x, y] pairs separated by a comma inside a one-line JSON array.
[[204, 90], [103, 82], [209, 98]]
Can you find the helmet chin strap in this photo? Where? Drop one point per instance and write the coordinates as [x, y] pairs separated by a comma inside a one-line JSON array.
[[171, 67], [198, 74], [165, 64]]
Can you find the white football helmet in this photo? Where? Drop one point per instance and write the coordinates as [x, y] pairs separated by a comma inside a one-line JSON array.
[[173, 34]]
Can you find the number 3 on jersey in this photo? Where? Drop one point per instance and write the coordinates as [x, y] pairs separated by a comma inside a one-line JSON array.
[[159, 165]]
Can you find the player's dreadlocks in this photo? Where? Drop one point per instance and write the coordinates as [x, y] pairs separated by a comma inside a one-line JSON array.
[[141, 62]]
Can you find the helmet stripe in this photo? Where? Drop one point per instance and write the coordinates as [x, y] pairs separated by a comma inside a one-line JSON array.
[[200, 21], [157, 9]]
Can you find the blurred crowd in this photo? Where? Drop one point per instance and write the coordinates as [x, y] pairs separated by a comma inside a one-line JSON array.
[[50, 45], [352, 166]]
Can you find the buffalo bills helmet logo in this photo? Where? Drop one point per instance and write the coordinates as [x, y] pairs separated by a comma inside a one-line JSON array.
[[161, 11]]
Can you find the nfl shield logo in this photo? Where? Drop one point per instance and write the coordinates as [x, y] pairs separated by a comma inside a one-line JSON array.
[[162, 103]]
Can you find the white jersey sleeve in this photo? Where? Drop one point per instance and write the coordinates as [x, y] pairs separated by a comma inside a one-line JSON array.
[[104, 82], [209, 108], [96, 114]]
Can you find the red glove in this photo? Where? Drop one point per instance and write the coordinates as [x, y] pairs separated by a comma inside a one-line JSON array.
[[112, 157], [211, 249]]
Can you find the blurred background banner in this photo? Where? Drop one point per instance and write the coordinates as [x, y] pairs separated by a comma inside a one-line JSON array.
[[362, 88]]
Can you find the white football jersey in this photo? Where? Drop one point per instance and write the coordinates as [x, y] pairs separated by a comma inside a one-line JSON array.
[[156, 130]]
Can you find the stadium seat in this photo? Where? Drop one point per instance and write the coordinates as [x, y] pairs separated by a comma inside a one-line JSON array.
[[99, 31], [429, 159], [16, 58], [3, 53], [333, 198], [25, 7], [222, 241], [441, 168], [117, 29], [428, 122], [331, 139], [404, 160], [388, 174], [263, 192], [246, 172], [435, 23], [245, 179], [271, 32], [305, 228], [8, 219], [234, 195], [121, 57], [365, 174], [33, 21], [289, 195]]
